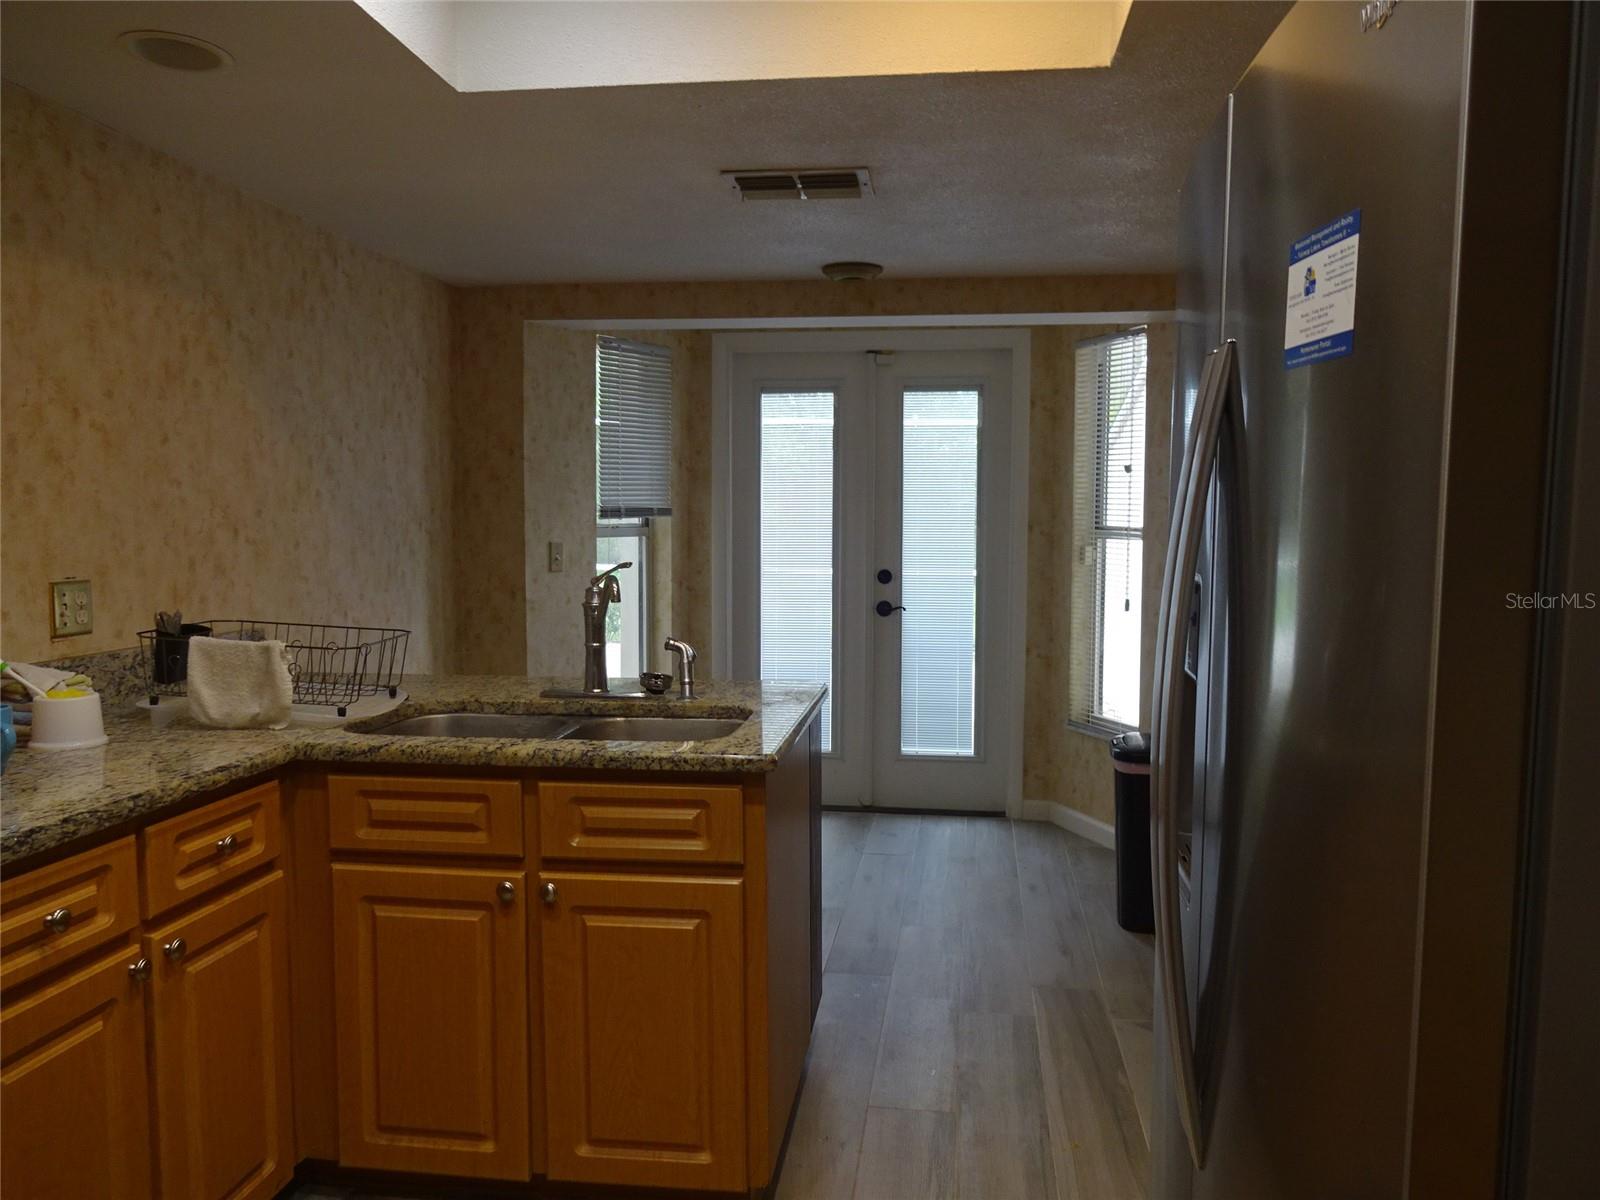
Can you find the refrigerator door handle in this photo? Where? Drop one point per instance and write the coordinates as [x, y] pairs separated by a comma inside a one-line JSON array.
[[1183, 550]]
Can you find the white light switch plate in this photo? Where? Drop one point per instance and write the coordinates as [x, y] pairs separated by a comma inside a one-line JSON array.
[[558, 557], [71, 608]]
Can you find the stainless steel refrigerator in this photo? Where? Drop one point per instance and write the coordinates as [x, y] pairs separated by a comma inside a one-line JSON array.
[[1345, 677]]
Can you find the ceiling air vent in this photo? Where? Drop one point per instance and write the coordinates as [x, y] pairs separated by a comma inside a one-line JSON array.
[[833, 183]]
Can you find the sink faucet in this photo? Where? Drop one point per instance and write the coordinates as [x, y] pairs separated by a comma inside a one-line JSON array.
[[686, 668], [603, 591]]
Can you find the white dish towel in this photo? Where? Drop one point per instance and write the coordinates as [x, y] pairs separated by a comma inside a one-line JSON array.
[[239, 685]]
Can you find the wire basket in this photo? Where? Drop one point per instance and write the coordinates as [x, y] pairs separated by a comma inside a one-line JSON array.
[[333, 665]]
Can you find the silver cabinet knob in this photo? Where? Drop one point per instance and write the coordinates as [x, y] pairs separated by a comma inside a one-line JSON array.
[[59, 920], [547, 893], [139, 971], [227, 845], [506, 890], [175, 949]]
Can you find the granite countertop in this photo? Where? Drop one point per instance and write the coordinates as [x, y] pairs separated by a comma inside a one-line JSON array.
[[50, 799]]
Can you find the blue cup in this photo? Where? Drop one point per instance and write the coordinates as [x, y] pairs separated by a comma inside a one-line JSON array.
[[8, 735]]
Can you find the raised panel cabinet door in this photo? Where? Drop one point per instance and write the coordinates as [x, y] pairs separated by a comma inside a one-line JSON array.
[[220, 1046], [430, 974], [74, 1104], [644, 1030]]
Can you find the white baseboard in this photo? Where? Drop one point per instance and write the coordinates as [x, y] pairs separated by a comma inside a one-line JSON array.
[[1071, 820]]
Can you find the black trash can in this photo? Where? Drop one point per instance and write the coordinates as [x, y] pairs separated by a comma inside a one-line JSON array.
[[1130, 759]]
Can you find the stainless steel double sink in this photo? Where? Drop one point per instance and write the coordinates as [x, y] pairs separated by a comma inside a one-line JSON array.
[[524, 726]]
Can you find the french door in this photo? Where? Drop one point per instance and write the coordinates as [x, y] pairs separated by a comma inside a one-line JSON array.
[[871, 551]]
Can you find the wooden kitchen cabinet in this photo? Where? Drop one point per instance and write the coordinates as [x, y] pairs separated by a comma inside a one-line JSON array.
[[219, 1003], [73, 1098], [430, 972], [644, 1033]]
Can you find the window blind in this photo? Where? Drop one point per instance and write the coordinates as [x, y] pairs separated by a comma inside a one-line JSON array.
[[633, 428], [1108, 528]]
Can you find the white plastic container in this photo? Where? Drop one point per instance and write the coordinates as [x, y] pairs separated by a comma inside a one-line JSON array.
[[71, 723]]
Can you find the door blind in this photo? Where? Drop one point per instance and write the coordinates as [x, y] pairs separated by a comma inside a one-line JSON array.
[[1108, 524], [633, 434], [797, 598], [939, 568]]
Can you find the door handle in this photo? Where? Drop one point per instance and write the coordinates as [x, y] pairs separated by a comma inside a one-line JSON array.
[[884, 608], [1217, 385]]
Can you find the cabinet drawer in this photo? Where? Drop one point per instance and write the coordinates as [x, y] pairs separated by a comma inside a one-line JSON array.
[[425, 816], [191, 854], [701, 823], [54, 914]]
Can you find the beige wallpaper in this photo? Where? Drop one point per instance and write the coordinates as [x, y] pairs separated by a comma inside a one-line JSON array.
[[486, 443], [209, 403], [558, 480]]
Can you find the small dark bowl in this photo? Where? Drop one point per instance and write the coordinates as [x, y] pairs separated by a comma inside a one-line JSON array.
[[655, 682]]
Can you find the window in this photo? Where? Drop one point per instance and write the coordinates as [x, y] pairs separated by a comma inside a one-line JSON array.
[[633, 485], [1108, 526]]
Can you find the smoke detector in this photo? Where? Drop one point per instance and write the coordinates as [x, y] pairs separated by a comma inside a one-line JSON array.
[[174, 51], [830, 183], [841, 271]]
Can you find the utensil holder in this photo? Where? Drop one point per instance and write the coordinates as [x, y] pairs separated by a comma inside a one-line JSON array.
[[170, 660]]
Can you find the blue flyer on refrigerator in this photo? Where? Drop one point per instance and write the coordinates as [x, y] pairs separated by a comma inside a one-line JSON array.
[[1320, 322]]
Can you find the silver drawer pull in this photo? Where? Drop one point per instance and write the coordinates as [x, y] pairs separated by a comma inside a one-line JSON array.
[[227, 845], [175, 949], [506, 890], [139, 971], [59, 920], [547, 893]]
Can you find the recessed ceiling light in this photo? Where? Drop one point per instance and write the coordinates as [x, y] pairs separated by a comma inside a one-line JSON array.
[[840, 271], [175, 51]]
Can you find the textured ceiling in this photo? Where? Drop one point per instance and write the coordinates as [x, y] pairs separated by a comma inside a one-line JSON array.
[[326, 115]]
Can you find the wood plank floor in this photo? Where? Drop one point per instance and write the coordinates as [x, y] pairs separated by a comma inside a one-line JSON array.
[[985, 1023]]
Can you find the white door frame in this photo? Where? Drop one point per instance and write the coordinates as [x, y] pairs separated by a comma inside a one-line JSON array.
[[1010, 674]]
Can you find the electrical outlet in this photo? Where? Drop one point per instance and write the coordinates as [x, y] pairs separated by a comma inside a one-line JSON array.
[[71, 608], [558, 557]]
